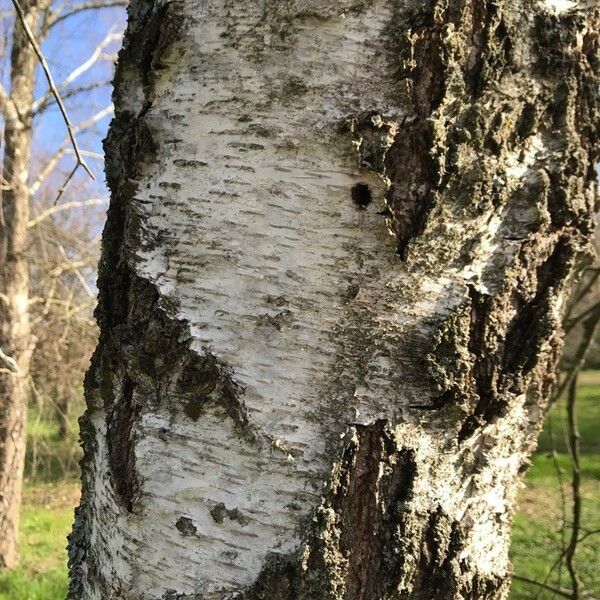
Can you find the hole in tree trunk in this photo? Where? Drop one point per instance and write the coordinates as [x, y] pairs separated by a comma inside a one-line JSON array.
[[361, 195]]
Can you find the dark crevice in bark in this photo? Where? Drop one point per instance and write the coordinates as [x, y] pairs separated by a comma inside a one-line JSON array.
[[365, 526], [119, 438], [483, 367], [411, 164], [363, 539], [496, 373], [413, 175], [530, 325], [492, 46]]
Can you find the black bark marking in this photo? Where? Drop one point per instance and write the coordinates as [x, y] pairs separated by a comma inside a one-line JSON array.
[[532, 323], [219, 512], [186, 526], [193, 408], [484, 366], [278, 321], [361, 195]]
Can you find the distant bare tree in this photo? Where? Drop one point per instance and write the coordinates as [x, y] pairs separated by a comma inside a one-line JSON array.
[[31, 23]]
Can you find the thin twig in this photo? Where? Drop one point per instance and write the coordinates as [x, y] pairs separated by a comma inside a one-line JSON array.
[[589, 327], [93, 5], [583, 288], [11, 364], [574, 453], [66, 206], [551, 588], [96, 55], [572, 322], [36, 48], [587, 534], [65, 185], [56, 158], [563, 517], [69, 93]]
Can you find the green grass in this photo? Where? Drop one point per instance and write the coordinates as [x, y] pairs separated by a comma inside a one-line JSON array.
[[51, 493], [588, 409], [536, 538], [45, 522]]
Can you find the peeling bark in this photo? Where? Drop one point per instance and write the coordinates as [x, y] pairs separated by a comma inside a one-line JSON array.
[[287, 402]]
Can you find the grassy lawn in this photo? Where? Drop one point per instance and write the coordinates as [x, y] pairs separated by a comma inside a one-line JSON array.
[[45, 521], [536, 537], [52, 492]]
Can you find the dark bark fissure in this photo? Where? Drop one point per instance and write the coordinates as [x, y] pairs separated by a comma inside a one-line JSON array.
[[527, 331], [120, 442], [367, 524], [518, 345], [438, 77], [364, 538]]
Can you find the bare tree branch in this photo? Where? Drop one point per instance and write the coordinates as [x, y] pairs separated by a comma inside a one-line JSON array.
[[10, 363], [589, 323], [62, 207], [36, 48], [70, 94], [64, 149], [96, 55], [574, 320], [76, 9], [565, 593], [74, 266], [573, 439]]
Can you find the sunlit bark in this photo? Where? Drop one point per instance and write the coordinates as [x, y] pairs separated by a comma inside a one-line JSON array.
[[338, 247]]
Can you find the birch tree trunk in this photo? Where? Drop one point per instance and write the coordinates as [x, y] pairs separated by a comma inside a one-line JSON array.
[[339, 243], [15, 335]]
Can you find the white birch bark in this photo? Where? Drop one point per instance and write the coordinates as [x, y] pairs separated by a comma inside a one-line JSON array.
[[333, 274]]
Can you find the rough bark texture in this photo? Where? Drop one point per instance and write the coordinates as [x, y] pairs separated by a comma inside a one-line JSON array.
[[287, 402], [15, 339]]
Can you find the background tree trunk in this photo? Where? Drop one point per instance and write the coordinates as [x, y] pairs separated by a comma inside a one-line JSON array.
[[288, 402], [15, 339]]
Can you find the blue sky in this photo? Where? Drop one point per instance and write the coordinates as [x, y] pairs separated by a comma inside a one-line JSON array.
[[69, 44]]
